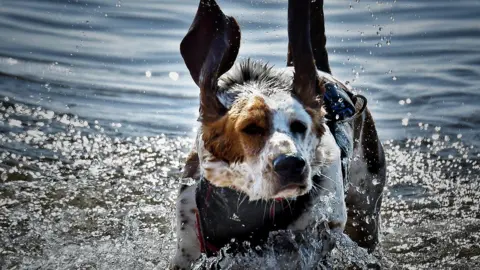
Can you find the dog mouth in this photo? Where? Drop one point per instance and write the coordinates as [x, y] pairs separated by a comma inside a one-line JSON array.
[[290, 191]]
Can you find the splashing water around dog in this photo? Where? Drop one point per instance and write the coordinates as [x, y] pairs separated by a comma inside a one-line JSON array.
[[87, 181]]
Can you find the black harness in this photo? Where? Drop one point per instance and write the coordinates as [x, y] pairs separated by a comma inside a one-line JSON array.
[[225, 212]]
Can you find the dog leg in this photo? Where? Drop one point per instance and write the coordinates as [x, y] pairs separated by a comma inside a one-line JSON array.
[[367, 180], [364, 200], [188, 245]]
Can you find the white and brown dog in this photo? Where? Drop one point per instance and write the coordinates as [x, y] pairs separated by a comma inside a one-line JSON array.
[[273, 145]]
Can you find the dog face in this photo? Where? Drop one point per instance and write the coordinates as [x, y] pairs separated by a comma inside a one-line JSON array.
[[260, 128], [265, 144]]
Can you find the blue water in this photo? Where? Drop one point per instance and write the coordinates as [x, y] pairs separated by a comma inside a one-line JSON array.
[[90, 58], [111, 71]]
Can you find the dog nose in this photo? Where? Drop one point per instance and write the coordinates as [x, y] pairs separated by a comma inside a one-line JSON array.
[[289, 166]]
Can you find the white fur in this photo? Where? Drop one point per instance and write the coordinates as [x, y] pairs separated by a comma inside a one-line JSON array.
[[332, 200], [333, 183], [188, 246]]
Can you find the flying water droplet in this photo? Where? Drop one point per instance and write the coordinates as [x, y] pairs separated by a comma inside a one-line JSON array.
[[173, 75]]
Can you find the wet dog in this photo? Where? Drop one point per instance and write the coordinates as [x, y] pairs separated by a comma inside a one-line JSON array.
[[274, 144]]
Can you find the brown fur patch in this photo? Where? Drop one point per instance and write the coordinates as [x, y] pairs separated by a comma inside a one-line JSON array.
[[225, 139], [191, 166], [317, 120]]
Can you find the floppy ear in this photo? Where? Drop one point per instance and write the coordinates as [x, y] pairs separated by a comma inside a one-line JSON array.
[[306, 84], [209, 49], [317, 38]]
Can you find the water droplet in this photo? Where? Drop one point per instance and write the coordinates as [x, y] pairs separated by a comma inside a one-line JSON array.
[[15, 123], [148, 74], [12, 61], [173, 75]]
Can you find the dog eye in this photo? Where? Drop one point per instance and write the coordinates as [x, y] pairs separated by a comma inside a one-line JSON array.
[[253, 129], [298, 127]]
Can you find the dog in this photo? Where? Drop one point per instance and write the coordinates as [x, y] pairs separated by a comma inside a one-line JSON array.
[[274, 144]]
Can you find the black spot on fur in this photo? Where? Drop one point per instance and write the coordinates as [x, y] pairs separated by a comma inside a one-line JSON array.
[[183, 187]]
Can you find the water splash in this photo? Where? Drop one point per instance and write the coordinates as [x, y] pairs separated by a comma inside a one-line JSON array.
[[72, 196]]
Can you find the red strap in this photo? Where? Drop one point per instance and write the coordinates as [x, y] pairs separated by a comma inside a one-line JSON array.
[[199, 232], [204, 244]]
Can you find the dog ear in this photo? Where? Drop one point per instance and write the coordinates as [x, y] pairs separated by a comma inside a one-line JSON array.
[[317, 35], [306, 84], [317, 38], [209, 49]]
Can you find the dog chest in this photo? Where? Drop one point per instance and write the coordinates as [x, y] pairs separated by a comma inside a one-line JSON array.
[[227, 217]]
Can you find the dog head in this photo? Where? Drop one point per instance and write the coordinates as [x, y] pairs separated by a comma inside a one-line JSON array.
[[260, 128]]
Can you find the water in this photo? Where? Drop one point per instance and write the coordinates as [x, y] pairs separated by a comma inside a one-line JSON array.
[[98, 110]]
